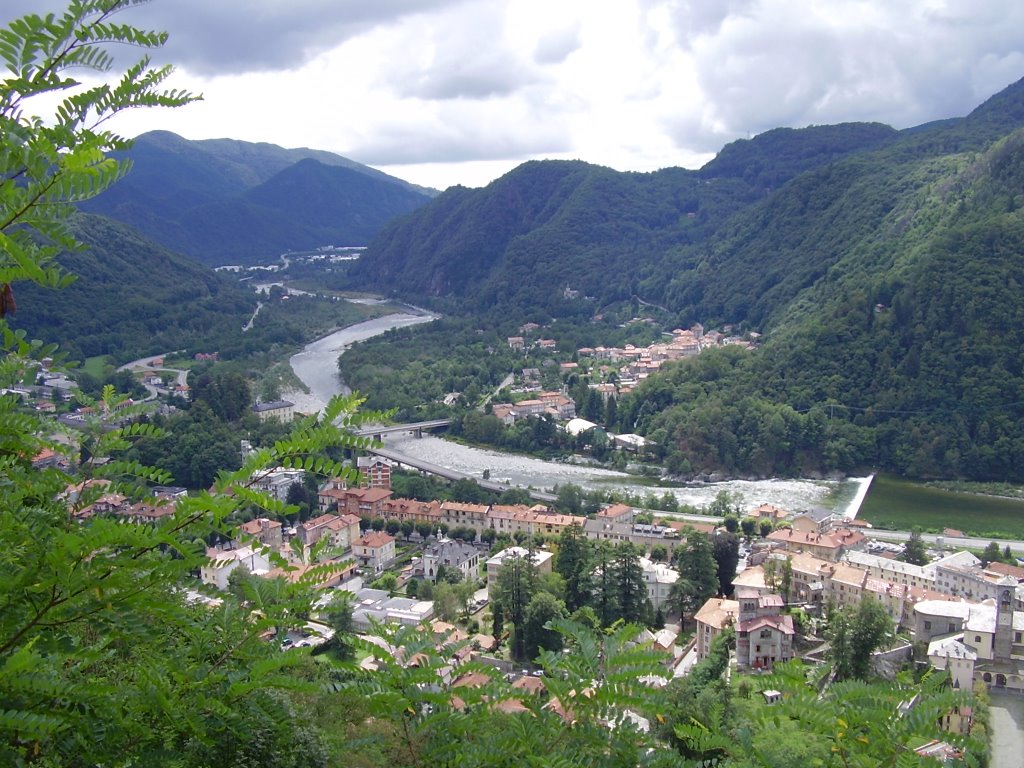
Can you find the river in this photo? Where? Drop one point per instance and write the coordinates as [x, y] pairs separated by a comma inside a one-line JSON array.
[[317, 367], [317, 364], [526, 471]]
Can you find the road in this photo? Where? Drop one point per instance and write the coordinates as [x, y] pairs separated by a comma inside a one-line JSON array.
[[1007, 729], [146, 364], [961, 542]]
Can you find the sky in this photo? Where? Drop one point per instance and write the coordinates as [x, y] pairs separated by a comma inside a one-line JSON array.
[[444, 92]]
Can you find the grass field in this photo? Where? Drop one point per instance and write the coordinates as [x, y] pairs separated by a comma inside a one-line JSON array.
[[95, 366], [903, 505]]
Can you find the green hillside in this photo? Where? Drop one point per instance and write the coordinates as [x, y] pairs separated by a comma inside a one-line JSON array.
[[883, 267], [132, 297], [225, 201]]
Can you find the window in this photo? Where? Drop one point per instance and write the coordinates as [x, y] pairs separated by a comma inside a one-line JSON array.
[[927, 625], [766, 633], [1016, 637], [977, 638]]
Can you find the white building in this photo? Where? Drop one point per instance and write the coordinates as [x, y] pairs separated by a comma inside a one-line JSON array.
[[659, 578], [222, 563]]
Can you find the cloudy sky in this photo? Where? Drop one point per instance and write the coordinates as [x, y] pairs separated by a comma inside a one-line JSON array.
[[443, 92]]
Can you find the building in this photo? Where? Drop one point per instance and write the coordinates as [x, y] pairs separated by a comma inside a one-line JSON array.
[[377, 606], [282, 410], [451, 555], [659, 578], [342, 529], [222, 562], [542, 561], [374, 550], [278, 481], [829, 546], [763, 635], [712, 619], [374, 472], [264, 530]]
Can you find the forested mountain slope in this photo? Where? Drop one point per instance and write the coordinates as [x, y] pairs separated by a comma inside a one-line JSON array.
[[518, 242], [886, 279], [225, 201], [132, 297]]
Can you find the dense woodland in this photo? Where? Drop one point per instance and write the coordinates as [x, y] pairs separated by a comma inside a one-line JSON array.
[[882, 268]]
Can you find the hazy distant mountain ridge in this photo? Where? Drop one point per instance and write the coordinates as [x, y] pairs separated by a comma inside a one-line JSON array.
[[223, 200]]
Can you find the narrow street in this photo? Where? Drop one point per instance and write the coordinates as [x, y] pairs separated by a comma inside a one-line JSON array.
[[1007, 737]]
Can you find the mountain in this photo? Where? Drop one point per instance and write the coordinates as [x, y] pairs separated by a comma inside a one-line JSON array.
[[549, 224], [883, 268], [225, 201], [132, 297]]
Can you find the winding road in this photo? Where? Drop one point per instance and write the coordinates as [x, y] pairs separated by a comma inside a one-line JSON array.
[[146, 364]]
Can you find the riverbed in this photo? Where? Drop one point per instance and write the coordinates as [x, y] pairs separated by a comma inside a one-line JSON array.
[[317, 364], [791, 495]]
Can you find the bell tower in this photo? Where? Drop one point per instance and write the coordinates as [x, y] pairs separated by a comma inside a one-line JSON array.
[[1005, 593]]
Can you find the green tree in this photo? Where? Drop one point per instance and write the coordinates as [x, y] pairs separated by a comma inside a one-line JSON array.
[[338, 616], [855, 635], [725, 548], [511, 593], [538, 635], [914, 551], [698, 575], [631, 588], [992, 554], [572, 561]]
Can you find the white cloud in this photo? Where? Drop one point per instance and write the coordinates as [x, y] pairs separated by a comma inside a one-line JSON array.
[[456, 89]]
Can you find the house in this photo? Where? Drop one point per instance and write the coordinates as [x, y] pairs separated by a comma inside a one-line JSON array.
[[374, 550], [517, 343], [542, 561], [768, 512], [451, 555], [616, 513], [277, 482], [264, 530], [377, 606], [712, 619], [763, 635], [343, 530], [282, 410], [829, 546], [222, 562], [367, 503], [659, 578]]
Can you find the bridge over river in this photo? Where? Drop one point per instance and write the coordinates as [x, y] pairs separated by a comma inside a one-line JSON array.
[[377, 431]]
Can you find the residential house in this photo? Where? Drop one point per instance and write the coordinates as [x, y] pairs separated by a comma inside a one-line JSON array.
[[763, 635], [712, 619], [374, 550], [452, 555], [221, 563], [282, 410], [377, 606], [265, 531], [277, 482], [374, 472], [829, 546], [659, 578], [342, 529]]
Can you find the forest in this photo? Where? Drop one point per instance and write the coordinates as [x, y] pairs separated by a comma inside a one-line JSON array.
[[880, 268]]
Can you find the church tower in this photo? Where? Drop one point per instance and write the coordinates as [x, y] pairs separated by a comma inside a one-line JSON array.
[[1005, 592]]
